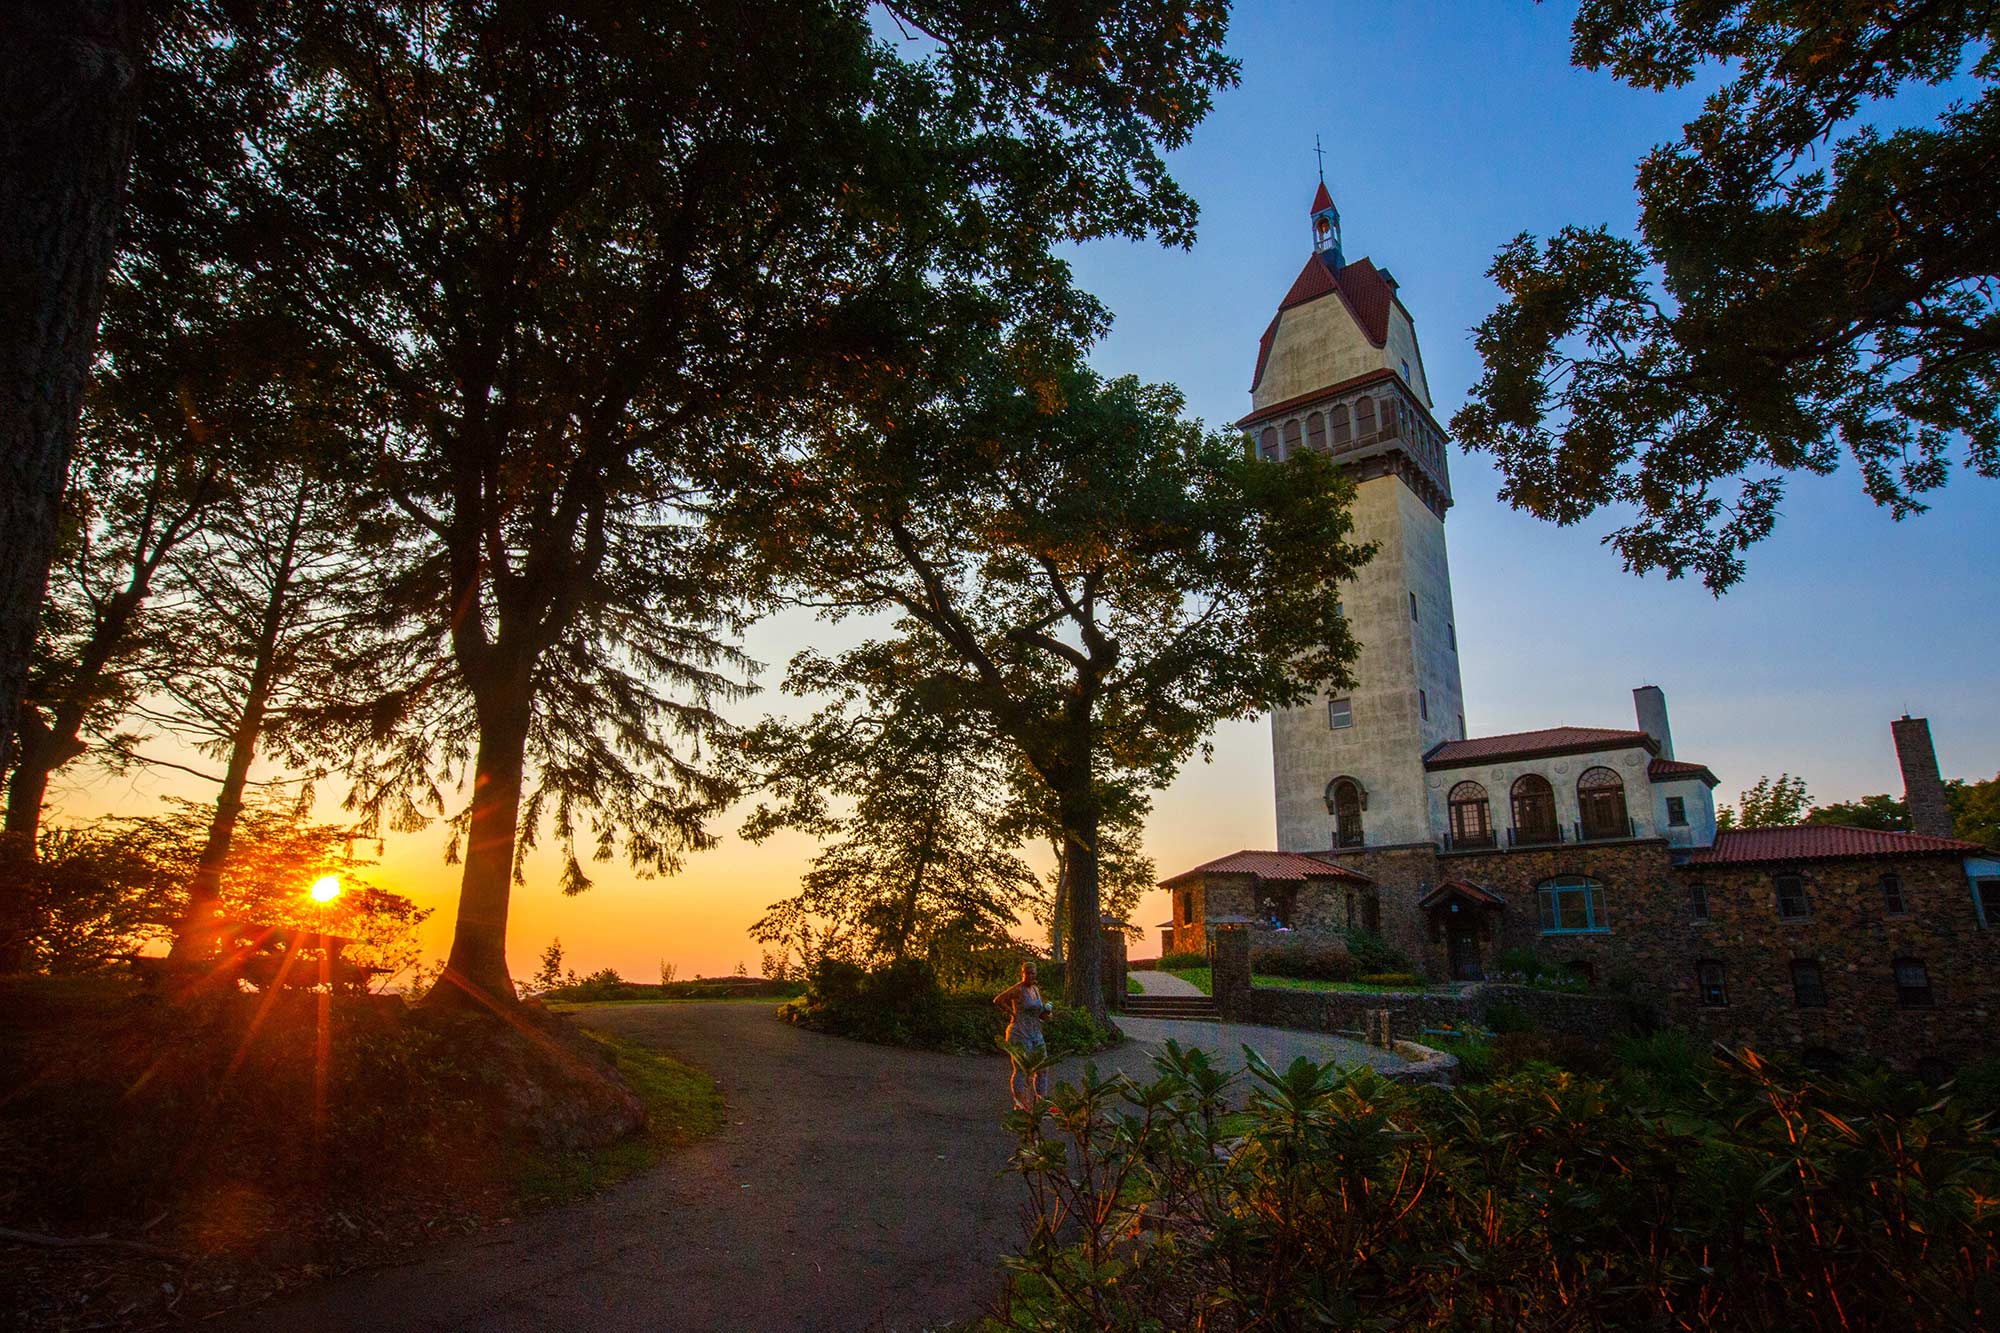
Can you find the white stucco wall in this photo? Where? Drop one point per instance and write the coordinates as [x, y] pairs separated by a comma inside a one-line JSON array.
[[1700, 830], [1647, 811]]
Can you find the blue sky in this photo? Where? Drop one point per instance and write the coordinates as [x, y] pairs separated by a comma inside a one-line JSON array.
[[1449, 128]]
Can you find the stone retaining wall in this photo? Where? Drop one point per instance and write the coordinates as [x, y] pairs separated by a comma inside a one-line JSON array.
[[1589, 1015]]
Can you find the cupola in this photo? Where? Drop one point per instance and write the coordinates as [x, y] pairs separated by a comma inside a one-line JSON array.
[[1326, 227]]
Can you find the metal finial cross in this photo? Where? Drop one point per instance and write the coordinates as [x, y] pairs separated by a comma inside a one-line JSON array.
[[1320, 153]]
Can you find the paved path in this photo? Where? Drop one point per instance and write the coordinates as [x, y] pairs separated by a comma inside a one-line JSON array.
[[1165, 983], [853, 1187]]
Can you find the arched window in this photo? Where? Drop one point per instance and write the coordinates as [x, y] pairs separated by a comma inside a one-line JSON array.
[[1534, 802], [1345, 800], [1338, 416], [1600, 798], [1572, 904], [1291, 437], [1389, 417], [1267, 444], [1364, 418], [1316, 432], [1471, 816]]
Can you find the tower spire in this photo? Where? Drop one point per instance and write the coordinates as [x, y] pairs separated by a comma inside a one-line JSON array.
[[1320, 153], [1325, 217]]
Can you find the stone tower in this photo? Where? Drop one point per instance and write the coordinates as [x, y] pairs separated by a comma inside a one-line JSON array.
[[1339, 370]]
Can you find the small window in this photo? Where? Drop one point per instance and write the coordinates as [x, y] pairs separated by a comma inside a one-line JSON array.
[[1406, 370], [1808, 987], [1343, 799], [1342, 432], [1340, 610], [1461, 726], [1423, 705], [1913, 984], [1413, 606], [1986, 902], [1710, 982], [1364, 418], [1792, 904], [1697, 902], [1316, 432], [1451, 635], [1339, 713], [1892, 895], [1677, 811]]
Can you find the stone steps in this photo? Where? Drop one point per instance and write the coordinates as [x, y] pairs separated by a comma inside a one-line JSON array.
[[1187, 1008]]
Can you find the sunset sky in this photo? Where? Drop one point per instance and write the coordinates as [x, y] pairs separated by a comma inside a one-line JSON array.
[[1448, 128]]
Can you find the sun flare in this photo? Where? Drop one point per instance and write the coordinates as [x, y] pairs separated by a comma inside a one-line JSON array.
[[325, 889]]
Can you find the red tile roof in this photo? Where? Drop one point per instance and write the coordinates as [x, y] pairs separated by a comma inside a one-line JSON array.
[[1532, 744], [1322, 199], [1462, 888], [1268, 865], [1821, 842], [1673, 770]]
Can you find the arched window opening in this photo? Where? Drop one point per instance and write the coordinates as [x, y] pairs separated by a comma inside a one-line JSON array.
[[1534, 802], [1267, 444], [1345, 800], [1600, 798], [1364, 418], [1391, 417], [1316, 432], [1572, 905], [1471, 816], [1342, 433], [1291, 437]]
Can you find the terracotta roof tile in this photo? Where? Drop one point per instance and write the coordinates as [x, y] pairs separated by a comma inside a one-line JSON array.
[[1529, 744], [1671, 770], [1268, 865], [1321, 199], [1462, 888], [1821, 842]]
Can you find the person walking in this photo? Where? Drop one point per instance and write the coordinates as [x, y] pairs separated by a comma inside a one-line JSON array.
[[1025, 1011]]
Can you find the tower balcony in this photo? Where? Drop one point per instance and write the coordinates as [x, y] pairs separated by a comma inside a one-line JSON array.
[[1372, 423]]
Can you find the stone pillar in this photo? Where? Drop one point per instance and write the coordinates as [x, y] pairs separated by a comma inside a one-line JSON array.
[[1229, 974], [1923, 789], [1113, 969]]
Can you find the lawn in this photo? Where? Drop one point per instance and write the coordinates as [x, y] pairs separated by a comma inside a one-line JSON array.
[[682, 1104]]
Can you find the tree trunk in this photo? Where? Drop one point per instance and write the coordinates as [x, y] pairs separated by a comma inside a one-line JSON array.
[[39, 753], [1081, 984], [1058, 925], [69, 101], [476, 971]]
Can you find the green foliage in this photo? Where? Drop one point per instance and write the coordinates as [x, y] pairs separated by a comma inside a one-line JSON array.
[[1547, 1199], [902, 1004], [1175, 962], [1808, 278], [1372, 953], [1887, 813], [682, 1104], [1767, 805], [550, 974], [1518, 961], [1502, 1018], [1305, 962], [1975, 809]]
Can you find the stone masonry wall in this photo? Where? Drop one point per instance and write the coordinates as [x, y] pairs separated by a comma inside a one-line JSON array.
[[1590, 1015]]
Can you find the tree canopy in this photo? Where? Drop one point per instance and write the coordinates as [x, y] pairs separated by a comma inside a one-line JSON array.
[[1809, 278], [1071, 562]]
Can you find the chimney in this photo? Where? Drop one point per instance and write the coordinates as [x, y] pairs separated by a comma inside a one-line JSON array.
[[1650, 703], [1923, 789]]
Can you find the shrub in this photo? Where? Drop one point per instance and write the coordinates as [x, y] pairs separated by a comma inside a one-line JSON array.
[[1503, 1018], [1524, 963], [1475, 1057], [1180, 961], [1392, 980], [1666, 1065], [1372, 953], [1514, 1051], [1339, 1199], [1978, 1086], [1304, 962]]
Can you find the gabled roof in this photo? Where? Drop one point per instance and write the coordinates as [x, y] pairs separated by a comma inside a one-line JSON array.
[[1534, 744], [1366, 291], [1268, 865], [1821, 842], [1673, 770], [1461, 888]]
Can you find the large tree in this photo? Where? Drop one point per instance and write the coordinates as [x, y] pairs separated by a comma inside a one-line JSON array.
[[580, 249], [69, 98], [1094, 577], [1805, 281]]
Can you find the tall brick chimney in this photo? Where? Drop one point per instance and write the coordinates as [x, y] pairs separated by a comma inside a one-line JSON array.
[[1923, 789], [1650, 703]]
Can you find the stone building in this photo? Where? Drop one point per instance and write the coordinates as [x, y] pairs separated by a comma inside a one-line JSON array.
[[1594, 847]]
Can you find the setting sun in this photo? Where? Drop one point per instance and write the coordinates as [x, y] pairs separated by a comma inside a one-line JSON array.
[[325, 889]]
